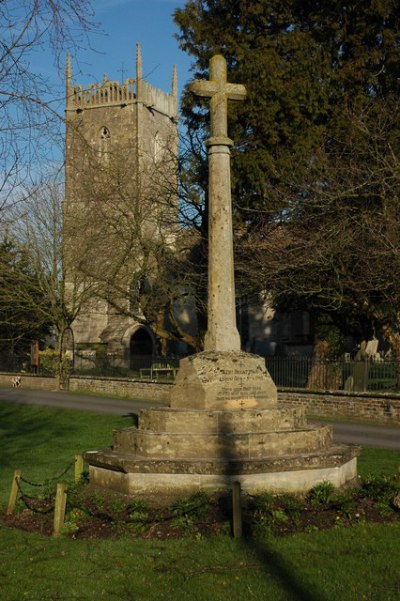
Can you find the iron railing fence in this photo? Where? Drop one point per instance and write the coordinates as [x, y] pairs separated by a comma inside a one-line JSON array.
[[309, 373], [287, 372], [15, 365]]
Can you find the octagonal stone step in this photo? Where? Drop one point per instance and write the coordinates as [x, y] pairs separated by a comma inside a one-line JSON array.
[[178, 421], [159, 480], [330, 456], [243, 445]]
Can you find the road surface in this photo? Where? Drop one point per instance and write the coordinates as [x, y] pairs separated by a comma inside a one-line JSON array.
[[367, 435]]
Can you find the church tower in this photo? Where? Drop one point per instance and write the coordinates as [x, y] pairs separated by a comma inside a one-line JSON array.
[[120, 187]]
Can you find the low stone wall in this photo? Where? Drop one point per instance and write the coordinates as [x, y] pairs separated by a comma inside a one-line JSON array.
[[382, 407], [374, 406], [30, 381], [134, 389]]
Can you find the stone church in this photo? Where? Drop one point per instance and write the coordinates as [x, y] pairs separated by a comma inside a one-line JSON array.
[[121, 153]]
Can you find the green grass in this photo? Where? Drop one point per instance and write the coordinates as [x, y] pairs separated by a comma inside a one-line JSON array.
[[42, 442], [350, 564], [378, 461], [359, 563]]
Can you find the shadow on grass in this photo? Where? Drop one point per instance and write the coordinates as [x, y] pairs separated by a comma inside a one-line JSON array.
[[25, 431], [275, 566]]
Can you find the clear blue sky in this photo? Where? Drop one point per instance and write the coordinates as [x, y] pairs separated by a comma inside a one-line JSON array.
[[125, 23]]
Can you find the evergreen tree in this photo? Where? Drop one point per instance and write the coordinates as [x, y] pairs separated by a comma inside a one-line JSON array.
[[317, 145], [22, 305], [300, 61]]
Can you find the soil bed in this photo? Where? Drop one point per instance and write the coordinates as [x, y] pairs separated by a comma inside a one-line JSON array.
[[94, 515]]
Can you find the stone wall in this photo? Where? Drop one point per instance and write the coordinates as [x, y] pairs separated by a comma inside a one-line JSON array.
[[382, 407], [134, 389], [374, 406], [30, 381]]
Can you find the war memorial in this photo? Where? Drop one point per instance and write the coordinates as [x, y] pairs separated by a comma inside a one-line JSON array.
[[224, 423]]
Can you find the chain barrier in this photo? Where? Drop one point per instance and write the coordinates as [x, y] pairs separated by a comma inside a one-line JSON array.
[[35, 504], [26, 499], [49, 481]]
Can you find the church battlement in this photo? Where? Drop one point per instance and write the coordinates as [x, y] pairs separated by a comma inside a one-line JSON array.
[[158, 100], [113, 93], [101, 94]]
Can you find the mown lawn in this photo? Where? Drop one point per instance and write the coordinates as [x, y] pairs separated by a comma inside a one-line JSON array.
[[357, 563], [42, 441], [353, 564]]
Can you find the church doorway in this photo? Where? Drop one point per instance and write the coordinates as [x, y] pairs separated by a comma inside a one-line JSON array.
[[141, 349]]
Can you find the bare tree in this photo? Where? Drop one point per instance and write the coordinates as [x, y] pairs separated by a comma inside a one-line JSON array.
[[125, 236], [38, 230], [336, 248], [28, 103]]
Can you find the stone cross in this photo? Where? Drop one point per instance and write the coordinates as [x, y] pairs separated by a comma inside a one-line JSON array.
[[222, 334], [220, 91]]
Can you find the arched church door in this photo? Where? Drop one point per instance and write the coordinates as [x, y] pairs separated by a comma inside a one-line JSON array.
[[141, 349]]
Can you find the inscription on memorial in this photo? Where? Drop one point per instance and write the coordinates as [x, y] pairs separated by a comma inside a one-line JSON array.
[[239, 384], [228, 381]]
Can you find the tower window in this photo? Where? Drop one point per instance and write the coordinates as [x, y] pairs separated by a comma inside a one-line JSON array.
[[105, 133], [104, 144], [157, 148]]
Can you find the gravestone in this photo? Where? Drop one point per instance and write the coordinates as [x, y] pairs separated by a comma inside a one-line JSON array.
[[371, 349], [361, 368], [224, 424]]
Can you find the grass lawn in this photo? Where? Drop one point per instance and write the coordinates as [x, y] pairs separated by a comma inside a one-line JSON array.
[[357, 563], [42, 441]]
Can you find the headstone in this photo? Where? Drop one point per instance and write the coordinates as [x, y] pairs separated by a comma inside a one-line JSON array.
[[371, 348], [349, 384]]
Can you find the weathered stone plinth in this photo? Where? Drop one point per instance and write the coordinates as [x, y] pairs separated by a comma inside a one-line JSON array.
[[223, 381], [175, 452]]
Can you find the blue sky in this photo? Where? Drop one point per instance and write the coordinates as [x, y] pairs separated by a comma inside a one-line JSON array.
[[125, 23]]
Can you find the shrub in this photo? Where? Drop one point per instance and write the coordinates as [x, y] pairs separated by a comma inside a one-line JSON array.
[[380, 489], [263, 502], [194, 507], [344, 502], [292, 504], [321, 493], [138, 511], [49, 363]]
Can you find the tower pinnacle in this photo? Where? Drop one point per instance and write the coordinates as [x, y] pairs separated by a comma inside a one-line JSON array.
[[175, 82], [68, 78], [139, 71]]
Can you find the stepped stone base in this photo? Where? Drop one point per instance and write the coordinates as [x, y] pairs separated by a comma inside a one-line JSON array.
[[223, 425], [175, 452], [184, 480]]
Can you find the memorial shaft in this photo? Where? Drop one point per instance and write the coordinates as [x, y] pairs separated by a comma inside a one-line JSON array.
[[222, 333]]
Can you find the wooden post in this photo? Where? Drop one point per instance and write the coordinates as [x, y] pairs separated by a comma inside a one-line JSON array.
[[79, 463], [59, 509], [14, 492], [237, 510]]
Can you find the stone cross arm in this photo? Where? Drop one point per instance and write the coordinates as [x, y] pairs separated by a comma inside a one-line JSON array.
[[220, 91], [233, 91]]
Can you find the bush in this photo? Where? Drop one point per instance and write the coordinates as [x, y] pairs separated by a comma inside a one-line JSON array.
[[380, 489], [49, 363], [291, 504], [321, 494]]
